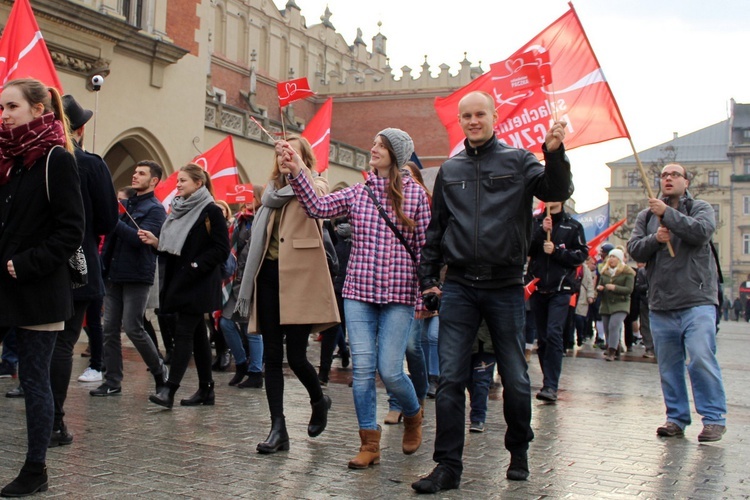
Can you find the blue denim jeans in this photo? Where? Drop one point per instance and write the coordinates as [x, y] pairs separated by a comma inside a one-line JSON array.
[[233, 333], [483, 370], [430, 345], [551, 312], [415, 362], [10, 349], [378, 334], [461, 311], [689, 334]]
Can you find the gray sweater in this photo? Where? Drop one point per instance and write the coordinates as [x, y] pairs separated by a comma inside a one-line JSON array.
[[689, 278]]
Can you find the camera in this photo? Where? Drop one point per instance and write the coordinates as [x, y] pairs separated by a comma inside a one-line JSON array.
[[431, 301], [96, 82]]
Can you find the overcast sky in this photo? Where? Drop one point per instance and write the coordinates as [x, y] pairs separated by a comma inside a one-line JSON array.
[[672, 65]]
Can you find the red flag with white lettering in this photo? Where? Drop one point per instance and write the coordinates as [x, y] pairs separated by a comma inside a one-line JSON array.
[[221, 165], [23, 53], [581, 95], [520, 73], [293, 90], [318, 132]]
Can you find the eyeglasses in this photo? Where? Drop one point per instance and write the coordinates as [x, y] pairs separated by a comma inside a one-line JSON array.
[[673, 175]]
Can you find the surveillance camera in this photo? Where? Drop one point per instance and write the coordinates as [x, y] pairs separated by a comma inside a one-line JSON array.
[[97, 81]]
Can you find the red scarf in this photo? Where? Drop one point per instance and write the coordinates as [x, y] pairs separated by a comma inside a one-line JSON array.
[[30, 141]]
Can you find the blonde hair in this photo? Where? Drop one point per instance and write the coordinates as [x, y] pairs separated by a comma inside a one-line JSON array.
[[305, 152]]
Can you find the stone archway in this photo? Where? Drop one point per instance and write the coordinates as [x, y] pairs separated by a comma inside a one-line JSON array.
[[129, 148]]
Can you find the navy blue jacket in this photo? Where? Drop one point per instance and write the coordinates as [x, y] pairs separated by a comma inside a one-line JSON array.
[[125, 258], [557, 271]]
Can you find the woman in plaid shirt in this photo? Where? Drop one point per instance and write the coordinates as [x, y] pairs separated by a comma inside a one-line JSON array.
[[380, 290]]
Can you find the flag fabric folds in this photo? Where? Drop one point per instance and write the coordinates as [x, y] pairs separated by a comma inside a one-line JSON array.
[[23, 53], [595, 242], [293, 90], [580, 96], [318, 133], [219, 162]]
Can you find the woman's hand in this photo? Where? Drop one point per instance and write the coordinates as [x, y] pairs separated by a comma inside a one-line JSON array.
[[609, 286], [600, 288], [148, 238], [11, 269], [287, 158]]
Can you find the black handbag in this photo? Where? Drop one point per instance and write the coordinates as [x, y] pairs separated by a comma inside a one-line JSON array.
[[79, 273]]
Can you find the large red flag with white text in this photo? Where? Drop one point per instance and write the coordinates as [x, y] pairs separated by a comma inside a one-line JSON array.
[[580, 95], [318, 132], [23, 53], [221, 165]]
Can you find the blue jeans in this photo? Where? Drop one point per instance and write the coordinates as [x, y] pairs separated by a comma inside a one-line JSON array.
[[551, 312], [233, 332], [689, 331], [415, 362], [461, 311], [10, 349], [378, 334], [483, 369], [430, 345]]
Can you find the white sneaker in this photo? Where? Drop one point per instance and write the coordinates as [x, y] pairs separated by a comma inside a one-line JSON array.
[[90, 375]]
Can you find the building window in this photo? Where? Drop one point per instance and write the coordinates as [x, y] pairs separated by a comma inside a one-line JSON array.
[[133, 12], [746, 244], [220, 95], [632, 212], [657, 180], [747, 166], [633, 179], [717, 210], [746, 205], [713, 178]]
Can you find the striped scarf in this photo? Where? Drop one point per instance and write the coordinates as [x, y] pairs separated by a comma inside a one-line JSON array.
[[30, 141]]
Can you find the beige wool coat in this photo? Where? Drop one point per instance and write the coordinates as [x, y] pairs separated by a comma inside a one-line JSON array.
[[306, 290]]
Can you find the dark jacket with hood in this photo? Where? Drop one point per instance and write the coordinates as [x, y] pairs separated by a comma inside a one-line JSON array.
[[557, 271]]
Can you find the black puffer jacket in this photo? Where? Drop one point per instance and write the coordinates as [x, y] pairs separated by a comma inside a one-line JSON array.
[[481, 211], [557, 271]]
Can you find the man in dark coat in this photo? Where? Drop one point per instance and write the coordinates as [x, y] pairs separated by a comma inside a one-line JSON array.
[[100, 211]]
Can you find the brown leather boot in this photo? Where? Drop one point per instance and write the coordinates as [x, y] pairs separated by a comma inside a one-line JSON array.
[[412, 433], [369, 452]]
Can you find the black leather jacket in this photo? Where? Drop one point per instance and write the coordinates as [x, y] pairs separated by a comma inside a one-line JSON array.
[[557, 271], [481, 212]]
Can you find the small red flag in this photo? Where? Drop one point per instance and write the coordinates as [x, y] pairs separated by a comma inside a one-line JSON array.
[[600, 238], [293, 90], [242, 193], [318, 132], [530, 288], [219, 162], [121, 207], [23, 53]]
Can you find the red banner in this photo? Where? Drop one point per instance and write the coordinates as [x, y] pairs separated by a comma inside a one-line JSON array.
[[221, 165], [23, 53], [318, 132], [293, 90], [600, 238], [580, 96], [518, 74], [241, 193]]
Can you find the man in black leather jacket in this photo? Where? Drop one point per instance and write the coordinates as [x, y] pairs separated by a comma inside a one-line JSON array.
[[554, 261], [480, 228]]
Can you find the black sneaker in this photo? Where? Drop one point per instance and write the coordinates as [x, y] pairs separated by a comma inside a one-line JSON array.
[[7, 370], [105, 390], [476, 427], [60, 436], [518, 470], [440, 479], [547, 394], [15, 393]]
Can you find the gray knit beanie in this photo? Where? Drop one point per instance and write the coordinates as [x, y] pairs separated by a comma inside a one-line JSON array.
[[401, 143]]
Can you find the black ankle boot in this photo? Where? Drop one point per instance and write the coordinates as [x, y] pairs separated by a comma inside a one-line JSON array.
[[277, 439], [32, 479], [254, 380], [165, 395], [319, 418], [239, 373], [204, 395], [160, 378]]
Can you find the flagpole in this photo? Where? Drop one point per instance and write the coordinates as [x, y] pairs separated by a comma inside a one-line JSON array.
[[644, 178], [283, 126], [549, 214]]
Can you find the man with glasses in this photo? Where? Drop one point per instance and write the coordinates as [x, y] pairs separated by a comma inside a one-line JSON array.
[[682, 297]]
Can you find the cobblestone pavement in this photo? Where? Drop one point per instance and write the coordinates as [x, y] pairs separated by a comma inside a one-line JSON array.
[[598, 441]]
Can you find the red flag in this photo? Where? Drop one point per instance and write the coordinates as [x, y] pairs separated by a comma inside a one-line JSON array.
[[23, 53], [218, 161], [581, 96], [121, 208], [318, 132], [530, 288], [242, 193], [540, 208], [293, 90], [600, 238], [520, 73]]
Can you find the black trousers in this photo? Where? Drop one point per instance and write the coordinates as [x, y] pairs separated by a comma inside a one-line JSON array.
[[62, 358]]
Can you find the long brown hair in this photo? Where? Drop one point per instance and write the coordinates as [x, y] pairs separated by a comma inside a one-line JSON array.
[[196, 173], [35, 92], [306, 153], [395, 192]]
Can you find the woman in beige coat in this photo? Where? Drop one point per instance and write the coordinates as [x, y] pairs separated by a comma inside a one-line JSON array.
[[287, 264]]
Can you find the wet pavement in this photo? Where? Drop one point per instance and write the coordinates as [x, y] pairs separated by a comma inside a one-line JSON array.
[[598, 441]]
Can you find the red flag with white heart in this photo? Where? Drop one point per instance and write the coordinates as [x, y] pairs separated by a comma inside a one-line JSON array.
[[293, 90]]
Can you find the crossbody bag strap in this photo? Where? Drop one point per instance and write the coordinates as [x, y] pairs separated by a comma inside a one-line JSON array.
[[46, 170], [389, 223]]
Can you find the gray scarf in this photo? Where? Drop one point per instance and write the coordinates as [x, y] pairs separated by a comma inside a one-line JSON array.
[[273, 200], [184, 214]]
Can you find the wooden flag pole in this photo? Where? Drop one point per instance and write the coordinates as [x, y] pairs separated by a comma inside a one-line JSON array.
[[647, 183], [283, 125], [549, 233]]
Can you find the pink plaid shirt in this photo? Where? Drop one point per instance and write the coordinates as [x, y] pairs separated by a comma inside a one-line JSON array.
[[380, 269]]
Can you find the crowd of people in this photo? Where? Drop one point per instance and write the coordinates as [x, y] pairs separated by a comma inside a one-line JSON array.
[[435, 279]]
